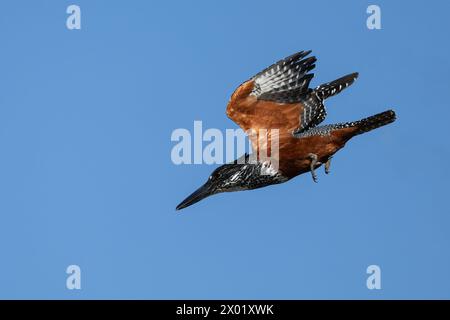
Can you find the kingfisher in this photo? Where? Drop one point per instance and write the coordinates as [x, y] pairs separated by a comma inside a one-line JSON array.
[[279, 99]]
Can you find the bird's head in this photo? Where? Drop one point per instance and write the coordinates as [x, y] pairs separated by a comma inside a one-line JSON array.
[[228, 177]]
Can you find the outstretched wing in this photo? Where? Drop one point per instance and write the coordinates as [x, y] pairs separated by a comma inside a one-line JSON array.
[[279, 97], [286, 81], [314, 111]]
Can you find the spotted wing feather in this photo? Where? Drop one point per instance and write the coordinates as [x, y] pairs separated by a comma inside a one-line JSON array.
[[280, 97], [286, 81], [314, 111]]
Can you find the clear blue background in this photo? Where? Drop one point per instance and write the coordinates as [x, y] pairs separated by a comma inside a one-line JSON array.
[[86, 176]]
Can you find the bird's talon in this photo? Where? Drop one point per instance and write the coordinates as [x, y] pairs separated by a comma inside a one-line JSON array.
[[327, 165], [313, 165]]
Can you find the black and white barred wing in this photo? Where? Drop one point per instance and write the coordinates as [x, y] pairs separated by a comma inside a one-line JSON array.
[[286, 81], [314, 111], [283, 96]]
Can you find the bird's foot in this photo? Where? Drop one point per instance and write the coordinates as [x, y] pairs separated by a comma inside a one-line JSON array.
[[313, 165], [327, 165]]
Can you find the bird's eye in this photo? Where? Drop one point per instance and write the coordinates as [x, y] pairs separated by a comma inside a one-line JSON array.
[[210, 177]]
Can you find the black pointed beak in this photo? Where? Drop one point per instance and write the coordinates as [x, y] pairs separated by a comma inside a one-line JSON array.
[[199, 194]]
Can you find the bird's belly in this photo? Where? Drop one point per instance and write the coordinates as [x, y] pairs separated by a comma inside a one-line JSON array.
[[295, 158]]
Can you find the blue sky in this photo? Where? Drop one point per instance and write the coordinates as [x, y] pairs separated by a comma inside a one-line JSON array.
[[86, 176]]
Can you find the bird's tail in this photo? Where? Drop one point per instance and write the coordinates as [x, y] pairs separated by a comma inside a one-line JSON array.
[[373, 122], [332, 88]]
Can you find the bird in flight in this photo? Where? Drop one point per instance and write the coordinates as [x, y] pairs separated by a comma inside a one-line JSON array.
[[280, 101]]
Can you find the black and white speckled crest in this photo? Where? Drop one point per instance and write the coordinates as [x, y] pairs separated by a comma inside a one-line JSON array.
[[245, 173]]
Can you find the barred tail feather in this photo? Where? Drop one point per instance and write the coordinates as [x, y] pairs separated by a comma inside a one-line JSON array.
[[361, 126], [332, 88], [374, 122]]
